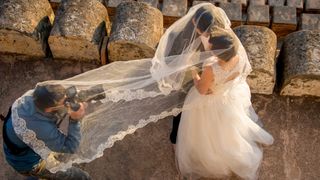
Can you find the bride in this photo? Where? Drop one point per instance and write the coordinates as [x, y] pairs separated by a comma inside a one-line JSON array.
[[216, 135]]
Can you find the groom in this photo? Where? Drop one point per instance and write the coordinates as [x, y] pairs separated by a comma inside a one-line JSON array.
[[202, 22]]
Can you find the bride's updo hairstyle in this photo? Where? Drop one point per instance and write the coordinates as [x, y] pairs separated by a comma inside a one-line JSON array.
[[224, 43]]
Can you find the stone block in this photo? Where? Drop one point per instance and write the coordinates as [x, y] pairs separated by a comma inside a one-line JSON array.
[[276, 3], [25, 27], [260, 44], [258, 15], [312, 6], [198, 2], [175, 8], [301, 72], [112, 6], [234, 13], [296, 3], [135, 33], [172, 10], [284, 20], [244, 3], [257, 2], [310, 21], [78, 30], [154, 3]]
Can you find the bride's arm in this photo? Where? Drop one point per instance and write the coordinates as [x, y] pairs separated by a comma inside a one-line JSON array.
[[203, 82]]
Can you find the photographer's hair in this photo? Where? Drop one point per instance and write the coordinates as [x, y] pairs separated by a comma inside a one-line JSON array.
[[45, 96], [224, 41]]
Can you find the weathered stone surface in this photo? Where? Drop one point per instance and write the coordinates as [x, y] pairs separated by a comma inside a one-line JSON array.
[[135, 32], [234, 13], [310, 21], [257, 2], [172, 10], [260, 44], [78, 30], [197, 2], [296, 3], [154, 3], [25, 27], [115, 3], [258, 15], [276, 2], [175, 8], [301, 74], [313, 6], [243, 2], [112, 6], [284, 20], [147, 154]]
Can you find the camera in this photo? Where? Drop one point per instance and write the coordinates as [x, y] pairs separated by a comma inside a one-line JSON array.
[[74, 97]]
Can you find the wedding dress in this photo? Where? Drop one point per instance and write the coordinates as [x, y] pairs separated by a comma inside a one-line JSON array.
[[219, 136]]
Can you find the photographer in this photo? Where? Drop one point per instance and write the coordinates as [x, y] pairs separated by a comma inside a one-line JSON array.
[[43, 111]]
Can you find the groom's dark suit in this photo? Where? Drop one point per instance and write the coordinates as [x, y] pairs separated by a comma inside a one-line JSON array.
[[182, 40]]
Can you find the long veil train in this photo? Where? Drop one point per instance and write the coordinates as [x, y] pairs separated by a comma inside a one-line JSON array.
[[125, 96]]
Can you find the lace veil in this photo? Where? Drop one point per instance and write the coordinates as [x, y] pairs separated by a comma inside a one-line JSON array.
[[127, 95]]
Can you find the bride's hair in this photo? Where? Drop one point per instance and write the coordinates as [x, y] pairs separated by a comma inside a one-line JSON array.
[[223, 40]]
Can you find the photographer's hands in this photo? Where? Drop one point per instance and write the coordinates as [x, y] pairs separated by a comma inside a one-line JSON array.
[[78, 115]]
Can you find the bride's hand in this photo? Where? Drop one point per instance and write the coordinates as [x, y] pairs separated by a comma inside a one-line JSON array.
[[195, 74]]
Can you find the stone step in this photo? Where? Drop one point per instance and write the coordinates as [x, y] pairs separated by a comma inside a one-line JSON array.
[[258, 15], [234, 12], [172, 10], [284, 20], [310, 22]]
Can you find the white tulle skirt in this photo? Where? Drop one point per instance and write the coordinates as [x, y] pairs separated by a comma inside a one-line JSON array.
[[218, 135]]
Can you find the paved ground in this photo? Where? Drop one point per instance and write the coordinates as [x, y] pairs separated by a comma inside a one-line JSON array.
[[147, 154]]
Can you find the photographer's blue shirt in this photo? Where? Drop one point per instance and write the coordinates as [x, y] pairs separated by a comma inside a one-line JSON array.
[[45, 128]]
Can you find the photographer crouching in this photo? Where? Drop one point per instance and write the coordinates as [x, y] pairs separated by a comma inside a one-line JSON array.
[[43, 111]]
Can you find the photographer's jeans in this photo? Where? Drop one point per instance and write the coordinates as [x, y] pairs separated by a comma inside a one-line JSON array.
[[73, 173]]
